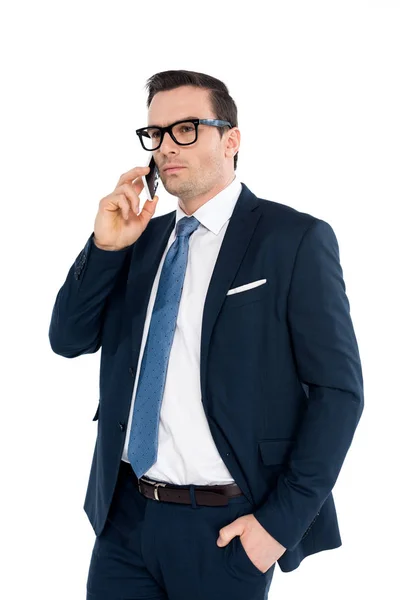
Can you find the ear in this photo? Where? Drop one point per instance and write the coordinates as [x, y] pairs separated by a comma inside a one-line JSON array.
[[232, 142]]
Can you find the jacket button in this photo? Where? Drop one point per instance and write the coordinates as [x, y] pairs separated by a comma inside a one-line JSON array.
[[131, 371], [121, 426]]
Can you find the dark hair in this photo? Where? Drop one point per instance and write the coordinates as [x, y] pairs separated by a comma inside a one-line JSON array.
[[222, 104]]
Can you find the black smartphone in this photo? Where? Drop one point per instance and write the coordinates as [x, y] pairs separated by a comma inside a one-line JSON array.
[[151, 180]]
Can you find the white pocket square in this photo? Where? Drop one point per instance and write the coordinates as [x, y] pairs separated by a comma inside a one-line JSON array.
[[246, 286]]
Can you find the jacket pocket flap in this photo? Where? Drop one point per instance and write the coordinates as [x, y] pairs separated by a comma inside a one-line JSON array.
[[275, 452]]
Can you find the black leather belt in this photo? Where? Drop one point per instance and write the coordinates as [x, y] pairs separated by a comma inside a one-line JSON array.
[[205, 495]]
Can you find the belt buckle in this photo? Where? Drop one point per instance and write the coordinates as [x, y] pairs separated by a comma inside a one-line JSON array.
[[156, 484]]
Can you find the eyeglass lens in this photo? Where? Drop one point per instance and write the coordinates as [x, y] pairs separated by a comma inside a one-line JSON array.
[[185, 133]]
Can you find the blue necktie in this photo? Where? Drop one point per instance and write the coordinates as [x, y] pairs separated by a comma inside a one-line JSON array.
[[143, 439]]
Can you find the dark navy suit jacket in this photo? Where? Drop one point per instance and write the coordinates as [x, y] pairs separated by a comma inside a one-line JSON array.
[[280, 370]]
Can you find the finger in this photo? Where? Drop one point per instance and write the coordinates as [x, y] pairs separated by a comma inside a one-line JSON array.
[[131, 196], [148, 210], [138, 185], [132, 174], [121, 202]]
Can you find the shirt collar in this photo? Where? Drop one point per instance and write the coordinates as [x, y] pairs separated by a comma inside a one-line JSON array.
[[216, 211]]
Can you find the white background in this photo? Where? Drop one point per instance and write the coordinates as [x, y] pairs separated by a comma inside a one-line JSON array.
[[317, 90]]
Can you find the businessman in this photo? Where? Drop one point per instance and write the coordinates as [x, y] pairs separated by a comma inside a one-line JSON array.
[[230, 378]]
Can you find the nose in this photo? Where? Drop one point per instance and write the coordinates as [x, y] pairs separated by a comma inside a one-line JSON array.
[[167, 143]]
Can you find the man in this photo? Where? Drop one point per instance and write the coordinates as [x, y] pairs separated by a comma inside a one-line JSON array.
[[230, 381]]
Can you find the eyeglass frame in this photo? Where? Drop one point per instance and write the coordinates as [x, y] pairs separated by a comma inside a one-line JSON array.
[[196, 122]]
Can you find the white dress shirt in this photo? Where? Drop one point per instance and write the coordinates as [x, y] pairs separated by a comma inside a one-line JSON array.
[[187, 453]]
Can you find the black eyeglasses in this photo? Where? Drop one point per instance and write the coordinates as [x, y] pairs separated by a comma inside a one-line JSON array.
[[182, 132]]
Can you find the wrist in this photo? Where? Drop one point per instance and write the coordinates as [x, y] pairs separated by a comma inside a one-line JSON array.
[[102, 247]]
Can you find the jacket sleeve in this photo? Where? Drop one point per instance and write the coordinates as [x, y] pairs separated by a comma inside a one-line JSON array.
[[328, 362], [77, 317]]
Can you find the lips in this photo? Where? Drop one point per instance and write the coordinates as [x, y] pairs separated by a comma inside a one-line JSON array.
[[168, 168]]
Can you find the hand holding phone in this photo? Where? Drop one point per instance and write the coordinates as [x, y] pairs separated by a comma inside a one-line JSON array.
[[118, 223]]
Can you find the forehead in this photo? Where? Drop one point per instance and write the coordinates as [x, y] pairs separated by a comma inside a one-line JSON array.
[[180, 103]]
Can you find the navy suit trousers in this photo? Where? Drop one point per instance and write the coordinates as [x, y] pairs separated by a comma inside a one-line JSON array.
[[153, 550]]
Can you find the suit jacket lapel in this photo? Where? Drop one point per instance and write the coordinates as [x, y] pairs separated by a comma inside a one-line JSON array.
[[236, 240]]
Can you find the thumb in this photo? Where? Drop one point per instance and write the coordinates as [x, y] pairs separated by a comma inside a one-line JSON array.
[[228, 532]]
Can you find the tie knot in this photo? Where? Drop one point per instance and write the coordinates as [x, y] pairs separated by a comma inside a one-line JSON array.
[[186, 226]]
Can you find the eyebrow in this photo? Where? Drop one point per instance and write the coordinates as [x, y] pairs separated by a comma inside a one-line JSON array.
[[183, 119]]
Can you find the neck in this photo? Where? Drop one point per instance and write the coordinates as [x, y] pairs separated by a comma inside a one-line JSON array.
[[190, 206]]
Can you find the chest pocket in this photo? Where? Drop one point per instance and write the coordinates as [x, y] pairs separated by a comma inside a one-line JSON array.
[[248, 296]]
